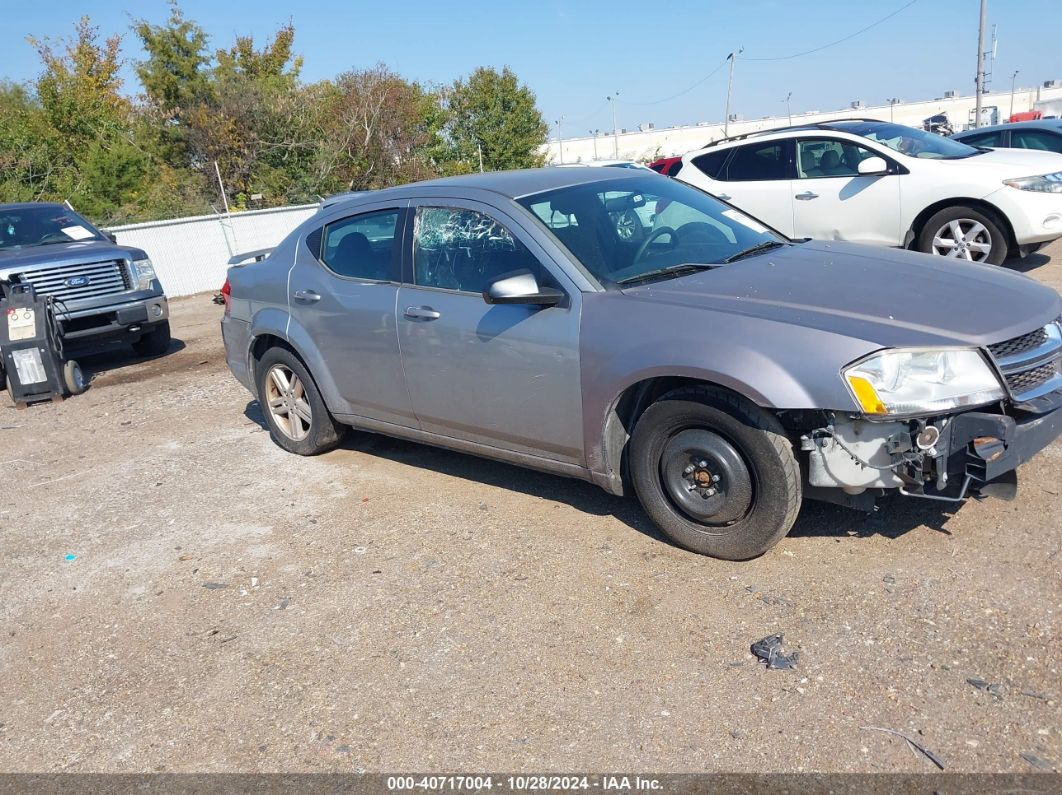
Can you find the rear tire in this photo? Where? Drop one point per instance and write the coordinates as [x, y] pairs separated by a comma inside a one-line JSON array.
[[715, 473], [294, 410], [73, 378], [966, 234], [155, 342]]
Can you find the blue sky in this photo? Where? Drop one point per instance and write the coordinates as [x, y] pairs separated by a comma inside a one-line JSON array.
[[574, 52]]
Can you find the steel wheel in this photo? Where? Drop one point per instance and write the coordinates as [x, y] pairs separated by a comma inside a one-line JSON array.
[[705, 477], [287, 403], [963, 238]]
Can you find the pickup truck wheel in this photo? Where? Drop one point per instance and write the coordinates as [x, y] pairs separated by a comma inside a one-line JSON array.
[[964, 233], [294, 410], [715, 473], [155, 342]]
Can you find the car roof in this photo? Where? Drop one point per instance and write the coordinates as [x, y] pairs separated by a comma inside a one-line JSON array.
[[27, 205], [510, 184], [1036, 124], [832, 125]]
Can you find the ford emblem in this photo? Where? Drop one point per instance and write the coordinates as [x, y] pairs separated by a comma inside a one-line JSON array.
[[77, 281]]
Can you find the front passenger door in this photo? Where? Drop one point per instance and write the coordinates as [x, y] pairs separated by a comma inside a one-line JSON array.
[[502, 375]]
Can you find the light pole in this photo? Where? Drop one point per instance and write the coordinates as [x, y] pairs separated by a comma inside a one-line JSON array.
[[788, 109], [615, 129], [560, 141], [979, 81], [594, 133], [1012, 79], [892, 104], [729, 87]]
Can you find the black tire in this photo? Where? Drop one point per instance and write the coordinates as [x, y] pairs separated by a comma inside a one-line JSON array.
[[757, 482], [155, 342], [322, 432], [73, 378], [964, 216]]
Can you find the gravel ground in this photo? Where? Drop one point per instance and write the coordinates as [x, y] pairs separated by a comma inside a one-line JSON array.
[[179, 594]]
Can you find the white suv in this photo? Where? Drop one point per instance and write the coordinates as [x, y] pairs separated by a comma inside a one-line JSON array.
[[886, 184]]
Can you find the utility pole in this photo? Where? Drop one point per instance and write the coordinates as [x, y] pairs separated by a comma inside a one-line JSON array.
[[595, 134], [560, 141], [615, 128], [892, 105], [788, 109], [1013, 77], [729, 88], [980, 79]]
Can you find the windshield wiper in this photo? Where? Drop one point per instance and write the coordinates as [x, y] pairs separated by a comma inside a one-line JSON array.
[[670, 270], [764, 246]]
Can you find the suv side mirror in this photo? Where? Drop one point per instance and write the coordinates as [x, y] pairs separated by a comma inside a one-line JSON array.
[[873, 167], [521, 288], [109, 235]]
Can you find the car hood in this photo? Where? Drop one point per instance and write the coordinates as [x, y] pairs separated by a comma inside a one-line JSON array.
[[16, 260], [884, 297], [1018, 162]]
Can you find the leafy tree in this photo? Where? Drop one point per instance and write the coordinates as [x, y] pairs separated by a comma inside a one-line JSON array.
[[26, 162], [493, 112], [175, 73]]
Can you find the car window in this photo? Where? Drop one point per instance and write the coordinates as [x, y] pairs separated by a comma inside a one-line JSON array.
[[829, 157], [360, 247], [674, 168], [908, 140], [711, 163], [43, 225], [459, 249], [984, 139], [1036, 139], [757, 162]]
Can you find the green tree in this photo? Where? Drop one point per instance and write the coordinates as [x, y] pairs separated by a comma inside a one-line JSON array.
[[27, 166], [175, 72], [493, 112]]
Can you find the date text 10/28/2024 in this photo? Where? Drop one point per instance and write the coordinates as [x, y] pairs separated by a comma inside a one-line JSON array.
[[527, 783]]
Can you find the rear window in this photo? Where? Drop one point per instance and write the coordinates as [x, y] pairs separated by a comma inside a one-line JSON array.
[[711, 164], [984, 139]]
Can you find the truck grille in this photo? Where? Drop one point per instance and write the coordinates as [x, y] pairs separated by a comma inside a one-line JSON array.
[[74, 282], [1032, 363]]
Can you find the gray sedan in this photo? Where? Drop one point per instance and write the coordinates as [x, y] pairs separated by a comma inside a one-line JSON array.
[[709, 365], [1044, 135]]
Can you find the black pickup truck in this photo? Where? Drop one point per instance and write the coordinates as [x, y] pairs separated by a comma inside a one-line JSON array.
[[103, 291]]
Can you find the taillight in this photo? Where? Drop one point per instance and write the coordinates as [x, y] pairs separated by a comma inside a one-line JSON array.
[[226, 293]]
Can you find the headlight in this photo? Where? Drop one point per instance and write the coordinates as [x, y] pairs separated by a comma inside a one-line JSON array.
[[1046, 183], [922, 382], [143, 272]]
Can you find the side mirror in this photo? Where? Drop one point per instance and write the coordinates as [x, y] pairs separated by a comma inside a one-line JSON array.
[[521, 288], [110, 235], [873, 167]]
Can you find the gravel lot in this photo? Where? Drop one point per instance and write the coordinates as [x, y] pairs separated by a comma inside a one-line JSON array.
[[179, 594]]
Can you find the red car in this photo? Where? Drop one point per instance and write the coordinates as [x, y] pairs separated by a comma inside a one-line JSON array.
[[668, 166]]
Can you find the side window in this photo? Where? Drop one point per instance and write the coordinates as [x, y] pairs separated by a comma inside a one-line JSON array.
[[360, 247], [1035, 139], [758, 162], [829, 157], [459, 249], [676, 167], [985, 139], [711, 163]]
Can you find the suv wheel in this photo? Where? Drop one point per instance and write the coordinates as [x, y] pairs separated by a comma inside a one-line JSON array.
[[297, 416], [155, 342], [964, 233], [715, 473]]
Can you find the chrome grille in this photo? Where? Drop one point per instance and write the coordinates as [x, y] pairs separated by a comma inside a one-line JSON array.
[[1022, 382], [1026, 342], [83, 280], [1032, 363]]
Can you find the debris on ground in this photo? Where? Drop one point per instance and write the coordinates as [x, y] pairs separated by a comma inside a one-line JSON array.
[[214, 586], [70, 556], [1036, 761], [994, 689], [932, 757], [769, 651]]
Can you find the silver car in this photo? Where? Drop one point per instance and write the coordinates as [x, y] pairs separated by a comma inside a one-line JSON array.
[[716, 369]]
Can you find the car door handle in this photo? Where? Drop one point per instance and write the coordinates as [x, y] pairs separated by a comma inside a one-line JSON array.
[[306, 296], [421, 313], [807, 196]]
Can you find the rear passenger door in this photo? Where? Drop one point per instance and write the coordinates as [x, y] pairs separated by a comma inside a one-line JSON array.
[[756, 177], [342, 292]]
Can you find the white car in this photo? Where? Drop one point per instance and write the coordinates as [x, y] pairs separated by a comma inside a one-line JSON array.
[[886, 184]]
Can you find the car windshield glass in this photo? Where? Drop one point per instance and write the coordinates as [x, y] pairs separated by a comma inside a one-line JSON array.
[[908, 140], [42, 225], [623, 229]]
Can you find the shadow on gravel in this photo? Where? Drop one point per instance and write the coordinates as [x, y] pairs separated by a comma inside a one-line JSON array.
[[120, 357], [897, 515], [1029, 263]]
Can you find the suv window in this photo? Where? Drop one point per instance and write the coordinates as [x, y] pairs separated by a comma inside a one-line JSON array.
[[711, 163], [360, 247], [757, 162], [1036, 139], [829, 157], [459, 249], [984, 139]]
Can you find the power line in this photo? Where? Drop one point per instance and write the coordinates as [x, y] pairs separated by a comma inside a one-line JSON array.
[[684, 91], [839, 41]]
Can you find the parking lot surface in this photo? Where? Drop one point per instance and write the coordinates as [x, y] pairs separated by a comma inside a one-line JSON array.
[[179, 594]]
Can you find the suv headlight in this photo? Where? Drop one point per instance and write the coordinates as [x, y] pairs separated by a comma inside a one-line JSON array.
[[143, 273], [922, 381], [1045, 183]]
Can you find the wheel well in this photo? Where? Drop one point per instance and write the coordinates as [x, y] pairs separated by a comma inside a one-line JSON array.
[[262, 344], [977, 204], [624, 415]]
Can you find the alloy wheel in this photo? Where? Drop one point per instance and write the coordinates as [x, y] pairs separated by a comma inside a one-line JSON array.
[[286, 402], [963, 238]]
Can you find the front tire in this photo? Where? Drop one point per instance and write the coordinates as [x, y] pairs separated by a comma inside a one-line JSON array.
[[964, 233], [155, 342], [716, 474], [296, 414]]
